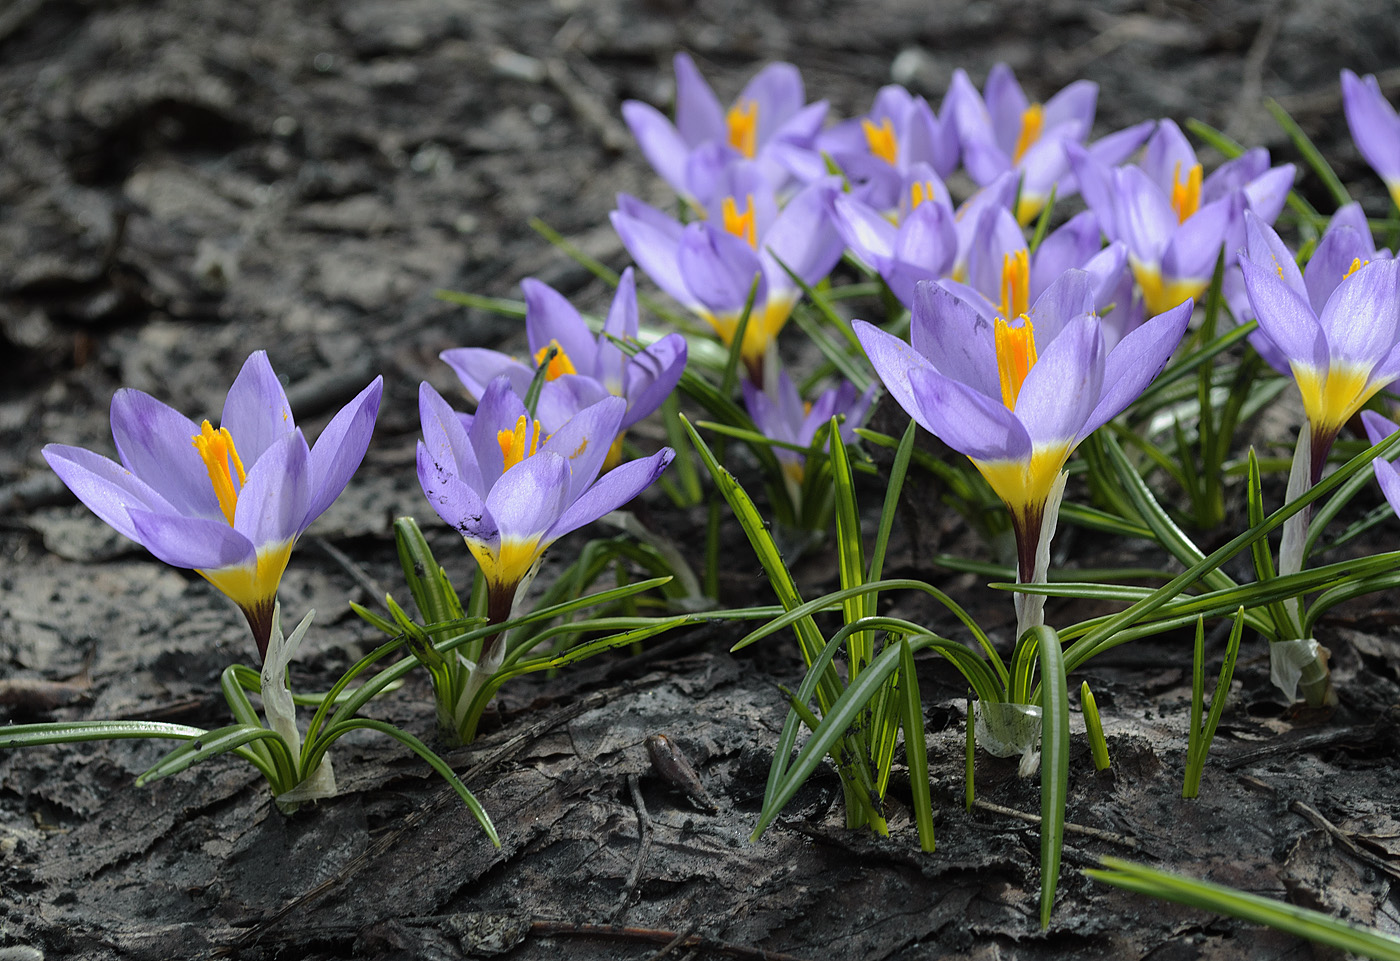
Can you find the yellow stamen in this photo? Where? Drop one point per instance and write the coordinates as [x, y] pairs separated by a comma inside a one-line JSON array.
[[1015, 284], [918, 193], [514, 447], [1356, 264], [882, 140], [1016, 356], [1186, 195], [221, 460], [742, 121], [740, 224], [559, 364], [1032, 122]]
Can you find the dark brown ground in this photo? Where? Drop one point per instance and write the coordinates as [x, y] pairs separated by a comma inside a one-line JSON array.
[[182, 182]]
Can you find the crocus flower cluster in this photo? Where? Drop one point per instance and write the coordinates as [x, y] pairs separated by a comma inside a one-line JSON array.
[[780, 413], [227, 502]]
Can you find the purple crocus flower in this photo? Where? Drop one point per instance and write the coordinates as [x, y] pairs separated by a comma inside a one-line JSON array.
[[1340, 355], [710, 266], [585, 368], [769, 123], [1018, 394], [1173, 220], [879, 150], [1378, 428], [509, 490], [1006, 131], [779, 413], [227, 503], [1374, 126]]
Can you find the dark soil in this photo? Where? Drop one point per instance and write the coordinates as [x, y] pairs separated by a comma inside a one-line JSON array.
[[184, 181]]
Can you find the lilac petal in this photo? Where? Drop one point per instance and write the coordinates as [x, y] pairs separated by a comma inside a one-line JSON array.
[[1387, 369], [869, 235], [562, 398], [956, 341], [583, 442], [777, 89], [529, 497], [155, 442], [550, 317], [926, 244], [622, 313], [662, 145], [1168, 158], [1063, 387], [455, 502], [1235, 174], [1362, 317], [612, 490], [1071, 245], [699, 116], [1331, 261], [1389, 480], [1112, 149], [108, 489], [803, 237], [340, 448], [1378, 428], [476, 367], [447, 442], [1351, 215], [966, 419], [1196, 244], [720, 268], [1374, 125], [1146, 220], [1096, 185], [1076, 102], [1265, 248], [1268, 192], [998, 237], [500, 409], [653, 245], [1106, 271], [1284, 315], [272, 505], [1006, 102], [651, 376], [256, 411], [928, 140], [196, 543], [1131, 366], [1070, 296], [893, 359]]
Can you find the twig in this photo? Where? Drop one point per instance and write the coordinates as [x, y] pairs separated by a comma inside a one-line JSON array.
[[676, 942], [1344, 839], [1244, 118], [643, 849], [589, 107], [356, 572], [1122, 840], [658, 936]]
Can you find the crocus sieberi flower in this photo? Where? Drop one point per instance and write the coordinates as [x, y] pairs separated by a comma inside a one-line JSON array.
[[770, 123], [1019, 393], [1341, 354], [1378, 428], [584, 368], [711, 266], [1006, 131], [511, 491], [1173, 220], [228, 503], [878, 151], [779, 412], [1374, 126]]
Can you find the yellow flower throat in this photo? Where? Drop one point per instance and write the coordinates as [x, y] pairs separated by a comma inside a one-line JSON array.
[[221, 460], [518, 444], [1015, 346], [742, 123], [1032, 123], [1186, 195], [740, 223], [559, 364], [881, 139]]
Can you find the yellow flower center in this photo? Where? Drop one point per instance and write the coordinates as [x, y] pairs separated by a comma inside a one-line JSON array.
[[1015, 284], [221, 460], [882, 141], [740, 223], [1015, 346], [919, 191], [742, 121], [1032, 123], [1356, 264], [1186, 195], [518, 444], [559, 364]]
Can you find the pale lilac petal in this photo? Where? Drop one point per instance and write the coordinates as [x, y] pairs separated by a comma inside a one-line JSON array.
[[340, 448], [1070, 296], [1195, 246], [1063, 387], [1378, 428], [1331, 261], [1373, 122], [550, 317], [1146, 220], [699, 116], [1284, 315], [272, 505], [869, 235], [1112, 149], [956, 341], [1268, 192], [1168, 158], [892, 359], [196, 543], [583, 442], [777, 89], [1076, 102], [1265, 248], [720, 268], [447, 441], [256, 411], [997, 237], [1362, 317], [1006, 103], [803, 237], [476, 367], [651, 376], [1389, 480], [652, 239], [662, 145], [156, 443], [529, 497], [562, 398], [1071, 245], [500, 409], [966, 419], [1235, 174], [108, 489], [457, 503], [613, 489], [1134, 362]]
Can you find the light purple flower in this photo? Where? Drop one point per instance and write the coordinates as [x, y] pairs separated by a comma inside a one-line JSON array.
[[1374, 126], [1018, 399], [769, 123], [509, 490], [227, 503], [1340, 355], [878, 151], [779, 413], [710, 266], [585, 368], [1005, 131], [1378, 428]]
